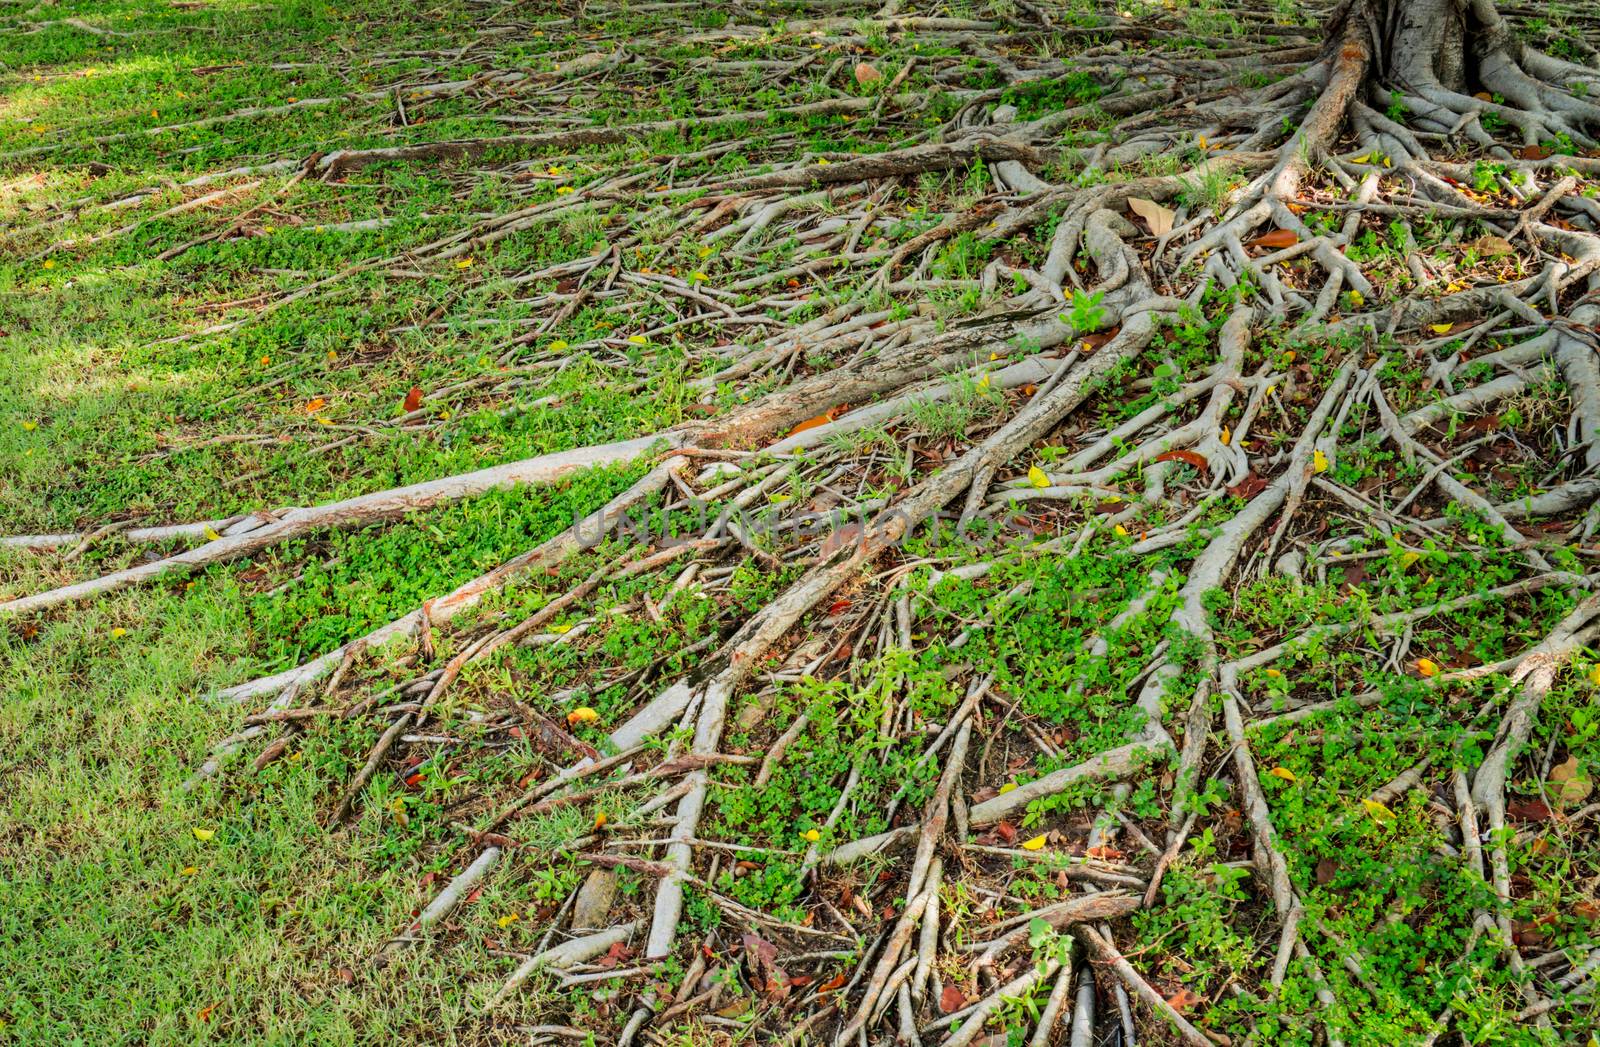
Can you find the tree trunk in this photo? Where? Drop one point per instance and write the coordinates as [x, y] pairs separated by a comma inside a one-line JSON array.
[[1457, 65]]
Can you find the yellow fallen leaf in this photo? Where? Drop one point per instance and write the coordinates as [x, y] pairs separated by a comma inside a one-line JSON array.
[[1427, 667], [582, 714], [1594, 676], [811, 836], [564, 190], [1121, 531], [1035, 844], [1408, 558], [983, 382], [507, 920], [1007, 787], [210, 533], [465, 263], [1274, 673], [118, 633], [1378, 811], [190, 870], [1225, 436], [560, 629], [204, 834], [1284, 773], [638, 339], [29, 427], [1441, 328], [699, 277], [49, 263], [1357, 299], [558, 345], [704, 252], [1038, 477], [1319, 462]]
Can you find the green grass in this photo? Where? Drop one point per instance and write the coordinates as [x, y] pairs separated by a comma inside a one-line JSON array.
[[118, 923]]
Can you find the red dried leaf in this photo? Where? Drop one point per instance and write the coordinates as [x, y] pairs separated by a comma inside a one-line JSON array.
[[839, 607], [951, 1000], [413, 399], [616, 954], [1534, 152], [1530, 811], [1090, 342], [1249, 487], [1194, 458], [1006, 831], [831, 985]]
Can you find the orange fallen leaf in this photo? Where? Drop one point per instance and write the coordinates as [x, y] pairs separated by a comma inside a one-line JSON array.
[[313, 406], [1182, 1000], [1275, 240], [822, 419]]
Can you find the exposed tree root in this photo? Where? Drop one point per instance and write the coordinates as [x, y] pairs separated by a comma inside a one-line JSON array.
[[1232, 473]]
